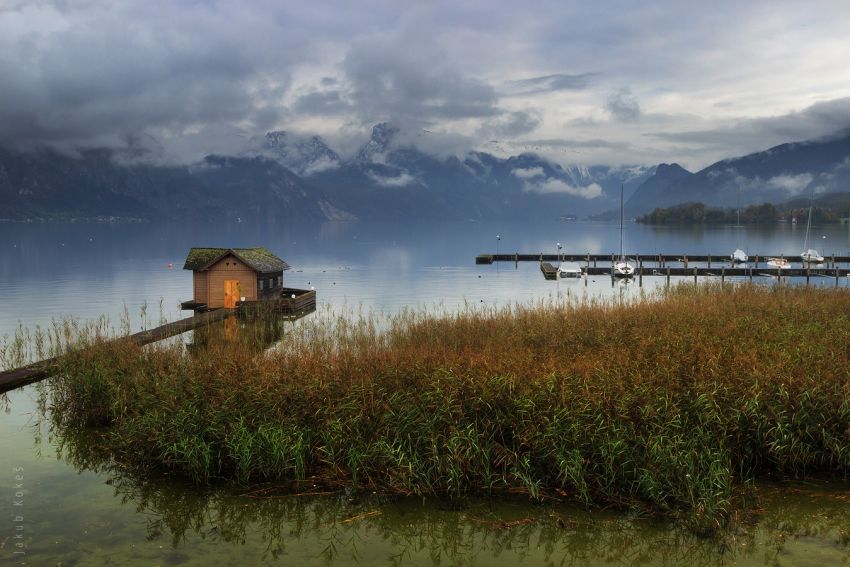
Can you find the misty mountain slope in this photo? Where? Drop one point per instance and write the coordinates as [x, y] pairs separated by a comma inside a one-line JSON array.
[[45, 184], [774, 175], [305, 155], [387, 177]]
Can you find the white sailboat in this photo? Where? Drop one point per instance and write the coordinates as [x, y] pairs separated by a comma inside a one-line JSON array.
[[740, 257], [810, 255], [622, 268]]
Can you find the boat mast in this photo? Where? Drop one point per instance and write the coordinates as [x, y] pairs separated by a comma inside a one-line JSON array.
[[621, 222], [808, 224]]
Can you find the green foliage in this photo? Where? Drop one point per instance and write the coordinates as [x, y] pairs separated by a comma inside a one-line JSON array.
[[766, 213], [668, 403]]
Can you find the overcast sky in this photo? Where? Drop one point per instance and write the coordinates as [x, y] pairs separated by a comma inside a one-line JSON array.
[[580, 82]]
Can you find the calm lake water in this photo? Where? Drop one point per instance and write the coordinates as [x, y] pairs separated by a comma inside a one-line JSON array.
[[72, 512]]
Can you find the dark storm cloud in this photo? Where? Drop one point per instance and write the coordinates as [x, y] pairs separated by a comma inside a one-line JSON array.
[[548, 83], [820, 119], [623, 105], [510, 125], [86, 78], [391, 82], [321, 103]]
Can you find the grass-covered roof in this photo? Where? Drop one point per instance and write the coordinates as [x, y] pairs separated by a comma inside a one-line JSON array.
[[260, 259]]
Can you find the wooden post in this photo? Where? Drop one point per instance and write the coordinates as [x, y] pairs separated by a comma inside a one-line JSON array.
[[668, 277], [836, 277], [722, 276], [757, 267], [808, 272], [751, 274], [516, 261], [695, 275], [686, 262], [709, 261], [594, 261], [640, 272], [588, 262], [833, 260]]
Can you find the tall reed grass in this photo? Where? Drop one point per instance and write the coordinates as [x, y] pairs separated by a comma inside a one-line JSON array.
[[668, 403]]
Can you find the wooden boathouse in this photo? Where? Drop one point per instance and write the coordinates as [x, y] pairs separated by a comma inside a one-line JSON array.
[[223, 277]]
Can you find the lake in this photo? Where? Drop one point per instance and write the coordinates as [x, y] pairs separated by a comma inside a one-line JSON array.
[[72, 511]]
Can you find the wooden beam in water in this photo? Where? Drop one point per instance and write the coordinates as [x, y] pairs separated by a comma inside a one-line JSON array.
[[17, 377]]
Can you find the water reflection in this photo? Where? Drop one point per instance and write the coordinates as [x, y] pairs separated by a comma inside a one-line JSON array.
[[787, 525]]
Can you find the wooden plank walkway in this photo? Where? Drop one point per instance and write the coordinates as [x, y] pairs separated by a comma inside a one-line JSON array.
[[660, 259], [15, 378]]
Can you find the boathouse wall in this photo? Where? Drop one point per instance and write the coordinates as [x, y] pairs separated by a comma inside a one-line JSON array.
[[230, 268], [199, 285]]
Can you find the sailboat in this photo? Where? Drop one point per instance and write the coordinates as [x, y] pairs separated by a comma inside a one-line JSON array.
[[739, 256], [810, 256], [622, 268]]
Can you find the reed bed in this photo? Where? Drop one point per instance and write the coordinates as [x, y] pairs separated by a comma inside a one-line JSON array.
[[670, 403]]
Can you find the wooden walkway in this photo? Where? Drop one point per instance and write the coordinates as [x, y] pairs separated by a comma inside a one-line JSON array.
[[11, 379], [661, 260], [681, 265]]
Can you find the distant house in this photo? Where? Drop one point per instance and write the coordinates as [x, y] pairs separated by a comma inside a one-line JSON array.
[[224, 276]]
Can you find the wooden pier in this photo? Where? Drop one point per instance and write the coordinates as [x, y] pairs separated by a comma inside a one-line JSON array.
[[660, 259], [296, 303], [681, 265], [11, 379]]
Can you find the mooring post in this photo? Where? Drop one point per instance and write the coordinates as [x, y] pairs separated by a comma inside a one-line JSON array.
[[588, 262], [686, 262], [516, 261], [751, 274], [640, 272], [668, 277], [709, 261], [722, 276], [695, 275], [808, 272], [836, 277], [757, 266], [833, 260]]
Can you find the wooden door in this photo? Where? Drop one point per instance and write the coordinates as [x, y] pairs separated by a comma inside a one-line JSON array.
[[231, 293]]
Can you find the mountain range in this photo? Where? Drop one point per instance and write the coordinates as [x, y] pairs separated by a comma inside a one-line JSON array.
[[797, 169], [282, 176]]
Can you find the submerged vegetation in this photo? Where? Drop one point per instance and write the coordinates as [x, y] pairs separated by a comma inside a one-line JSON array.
[[670, 403]]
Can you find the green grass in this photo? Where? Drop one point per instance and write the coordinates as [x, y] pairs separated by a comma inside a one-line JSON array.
[[669, 404]]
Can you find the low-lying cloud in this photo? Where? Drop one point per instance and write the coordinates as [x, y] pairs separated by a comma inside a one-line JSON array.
[[557, 186]]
